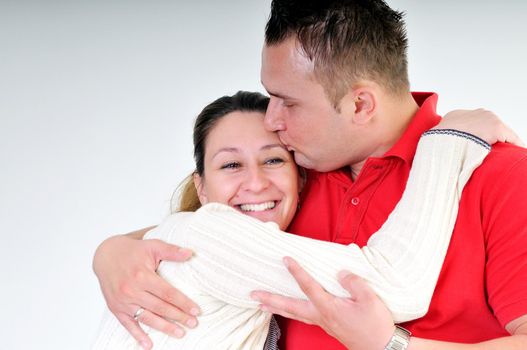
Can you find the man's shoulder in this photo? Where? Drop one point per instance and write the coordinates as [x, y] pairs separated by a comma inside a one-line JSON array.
[[505, 157], [505, 165]]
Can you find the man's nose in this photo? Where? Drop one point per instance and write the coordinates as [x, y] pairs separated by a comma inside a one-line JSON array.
[[273, 119]]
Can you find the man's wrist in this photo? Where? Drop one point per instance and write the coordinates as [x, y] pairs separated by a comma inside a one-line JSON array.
[[400, 339]]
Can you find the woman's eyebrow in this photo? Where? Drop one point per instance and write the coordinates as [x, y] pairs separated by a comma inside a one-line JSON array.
[[273, 145], [237, 150], [226, 149]]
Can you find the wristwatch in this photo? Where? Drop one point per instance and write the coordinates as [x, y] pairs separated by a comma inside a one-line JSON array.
[[400, 339]]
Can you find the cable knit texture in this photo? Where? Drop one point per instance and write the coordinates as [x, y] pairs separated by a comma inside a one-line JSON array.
[[236, 254]]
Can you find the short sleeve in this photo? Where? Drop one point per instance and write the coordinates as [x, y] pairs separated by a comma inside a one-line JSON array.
[[505, 226]]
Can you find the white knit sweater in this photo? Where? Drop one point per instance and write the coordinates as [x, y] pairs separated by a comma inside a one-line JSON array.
[[236, 254]]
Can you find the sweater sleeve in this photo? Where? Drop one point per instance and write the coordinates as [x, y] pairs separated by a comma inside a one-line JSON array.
[[236, 254]]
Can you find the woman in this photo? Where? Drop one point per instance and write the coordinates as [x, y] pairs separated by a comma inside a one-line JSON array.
[[245, 168]]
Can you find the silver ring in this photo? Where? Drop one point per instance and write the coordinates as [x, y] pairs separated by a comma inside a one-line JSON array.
[[138, 313]]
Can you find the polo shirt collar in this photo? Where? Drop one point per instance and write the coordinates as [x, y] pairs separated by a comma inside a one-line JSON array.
[[424, 119]]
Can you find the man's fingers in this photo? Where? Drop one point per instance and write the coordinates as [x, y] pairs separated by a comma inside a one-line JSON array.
[[307, 311], [285, 306], [286, 314], [135, 330], [311, 288], [173, 299], [355, 285]]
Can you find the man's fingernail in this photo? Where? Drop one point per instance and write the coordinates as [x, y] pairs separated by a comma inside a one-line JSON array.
[[255, 297], [194, 311], [192, 322], [145, 345], [286, 261]]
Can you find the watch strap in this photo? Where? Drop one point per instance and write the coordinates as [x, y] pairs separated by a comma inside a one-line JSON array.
[[400, 339]]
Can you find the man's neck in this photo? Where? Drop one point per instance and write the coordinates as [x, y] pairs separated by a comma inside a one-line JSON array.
[[394, 116]]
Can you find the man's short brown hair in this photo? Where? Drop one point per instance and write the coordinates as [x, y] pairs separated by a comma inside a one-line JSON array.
[[347, 40]]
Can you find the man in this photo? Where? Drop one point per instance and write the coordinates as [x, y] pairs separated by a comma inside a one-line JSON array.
[[337, 75]]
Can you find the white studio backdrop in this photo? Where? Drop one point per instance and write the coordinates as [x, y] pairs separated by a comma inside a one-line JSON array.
[[97, 100]]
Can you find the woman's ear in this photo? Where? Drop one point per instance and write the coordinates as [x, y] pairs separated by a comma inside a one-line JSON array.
[[200, 188]]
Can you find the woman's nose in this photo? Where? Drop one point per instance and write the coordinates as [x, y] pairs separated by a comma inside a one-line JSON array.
[[256, 180]]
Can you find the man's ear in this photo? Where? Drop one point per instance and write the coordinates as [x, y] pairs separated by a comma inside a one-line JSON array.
[[200, 188], [360, 104]]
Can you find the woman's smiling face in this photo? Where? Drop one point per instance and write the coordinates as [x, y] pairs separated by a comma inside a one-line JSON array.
[[249, 169]]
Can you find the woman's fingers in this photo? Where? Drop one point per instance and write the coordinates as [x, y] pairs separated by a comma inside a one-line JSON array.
[[166, 251], [135, 330], [152, 320], [512, 137], [166, 310], [126, 268], [482, 123]]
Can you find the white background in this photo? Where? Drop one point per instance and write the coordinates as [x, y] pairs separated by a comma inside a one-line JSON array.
[[97, 100]]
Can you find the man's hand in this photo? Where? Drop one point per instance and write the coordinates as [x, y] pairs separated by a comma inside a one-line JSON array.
[[482, 123], [126, 269], [360, 322]]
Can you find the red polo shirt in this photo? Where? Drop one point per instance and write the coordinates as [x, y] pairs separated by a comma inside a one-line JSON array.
[[483, 283]]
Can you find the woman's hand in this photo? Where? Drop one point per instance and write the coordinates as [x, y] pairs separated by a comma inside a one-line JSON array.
[[126, 269], [481, 123], [360, 322]]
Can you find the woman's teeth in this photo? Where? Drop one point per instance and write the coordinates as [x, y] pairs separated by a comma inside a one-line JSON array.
[[258, 207]]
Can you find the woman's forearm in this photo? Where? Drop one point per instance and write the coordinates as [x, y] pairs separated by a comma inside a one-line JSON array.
[[107, 250], [139, 234]]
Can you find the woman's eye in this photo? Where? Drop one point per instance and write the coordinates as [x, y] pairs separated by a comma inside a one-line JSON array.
[[231, 165], [274, 161]]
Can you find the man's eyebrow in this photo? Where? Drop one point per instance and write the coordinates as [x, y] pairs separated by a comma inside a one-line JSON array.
[[279, 95], [276, 94]]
